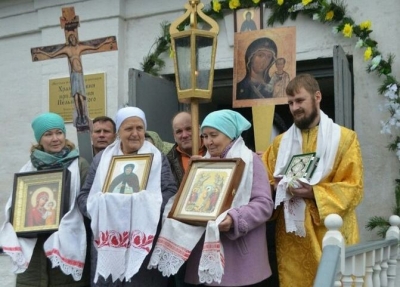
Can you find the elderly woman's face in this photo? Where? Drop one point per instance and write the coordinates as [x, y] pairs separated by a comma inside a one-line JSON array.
[[131, 134], [53, 141], [215, 141]]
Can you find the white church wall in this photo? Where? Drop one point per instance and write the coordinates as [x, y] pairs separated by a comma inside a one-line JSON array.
[[136, 24], [20, 100], [381, 167], [26, 83]]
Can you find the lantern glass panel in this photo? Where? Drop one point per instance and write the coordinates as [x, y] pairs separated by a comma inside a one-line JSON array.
[[182, 47], [204, 49]]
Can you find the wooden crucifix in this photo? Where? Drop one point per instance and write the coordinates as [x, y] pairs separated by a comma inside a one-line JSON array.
[[73, 49]]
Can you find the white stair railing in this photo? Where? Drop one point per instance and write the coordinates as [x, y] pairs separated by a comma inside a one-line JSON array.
[[371, 264]]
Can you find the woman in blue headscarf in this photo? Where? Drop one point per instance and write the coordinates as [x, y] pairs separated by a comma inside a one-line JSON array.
[[52, 150], [243, 231]]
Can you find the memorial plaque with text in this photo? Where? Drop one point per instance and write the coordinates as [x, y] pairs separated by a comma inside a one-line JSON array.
[[61, 102]]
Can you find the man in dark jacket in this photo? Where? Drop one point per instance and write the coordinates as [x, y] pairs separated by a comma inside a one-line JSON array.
[[179, 157], [180, 153]]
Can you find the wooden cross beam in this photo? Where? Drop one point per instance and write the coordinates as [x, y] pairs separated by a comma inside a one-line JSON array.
[[73, 49]]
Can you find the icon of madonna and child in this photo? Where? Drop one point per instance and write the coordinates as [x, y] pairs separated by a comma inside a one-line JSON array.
[[261, 55], [42, 208], [205, 192]]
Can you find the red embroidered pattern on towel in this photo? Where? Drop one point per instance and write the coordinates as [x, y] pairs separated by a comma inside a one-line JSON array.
[[125, 239], [175, 249], [12, 249], [214, 247]]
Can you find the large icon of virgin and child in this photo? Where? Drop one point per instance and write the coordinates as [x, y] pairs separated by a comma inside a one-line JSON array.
[[263, 72]]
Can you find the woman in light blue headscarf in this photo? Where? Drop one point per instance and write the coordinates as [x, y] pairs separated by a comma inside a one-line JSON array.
[[220, 129], [243, 231]]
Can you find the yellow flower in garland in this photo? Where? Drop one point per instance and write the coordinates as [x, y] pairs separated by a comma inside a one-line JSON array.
[[329, 15], [216, 5], [305, 2], [366, 25], [233, 4], [280, 2], [347, 30], [256, 1], [368, 54]]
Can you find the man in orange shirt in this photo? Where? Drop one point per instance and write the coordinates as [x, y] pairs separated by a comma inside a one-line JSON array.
[[179, 157], [180, 153]]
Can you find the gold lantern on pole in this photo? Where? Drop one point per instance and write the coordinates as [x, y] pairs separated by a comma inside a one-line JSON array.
[[194, 57]]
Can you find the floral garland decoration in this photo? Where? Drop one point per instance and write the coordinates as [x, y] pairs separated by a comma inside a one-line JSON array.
[[333, 12]]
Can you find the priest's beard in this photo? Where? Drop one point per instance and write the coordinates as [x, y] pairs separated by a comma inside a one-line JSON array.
[[304, 122]]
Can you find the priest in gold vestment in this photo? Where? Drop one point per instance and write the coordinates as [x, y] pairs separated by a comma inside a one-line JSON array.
[[336, 186]]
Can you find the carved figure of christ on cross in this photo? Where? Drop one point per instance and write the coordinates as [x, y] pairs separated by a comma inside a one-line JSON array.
[[73, 49]]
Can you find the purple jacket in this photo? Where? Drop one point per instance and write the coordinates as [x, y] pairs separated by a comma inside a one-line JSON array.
[[245, 246]]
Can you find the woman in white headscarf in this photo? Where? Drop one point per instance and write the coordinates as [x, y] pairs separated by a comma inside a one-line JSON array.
[[232, 251], [125, 226]]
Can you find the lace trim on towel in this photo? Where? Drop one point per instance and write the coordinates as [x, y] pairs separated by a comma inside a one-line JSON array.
[[168, 256], [17, 257], [293, 208], [212, 263], [69, 267]]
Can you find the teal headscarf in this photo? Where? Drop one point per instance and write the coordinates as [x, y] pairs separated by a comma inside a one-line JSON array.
[[44, 160], [229, 122], [47, 121]]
